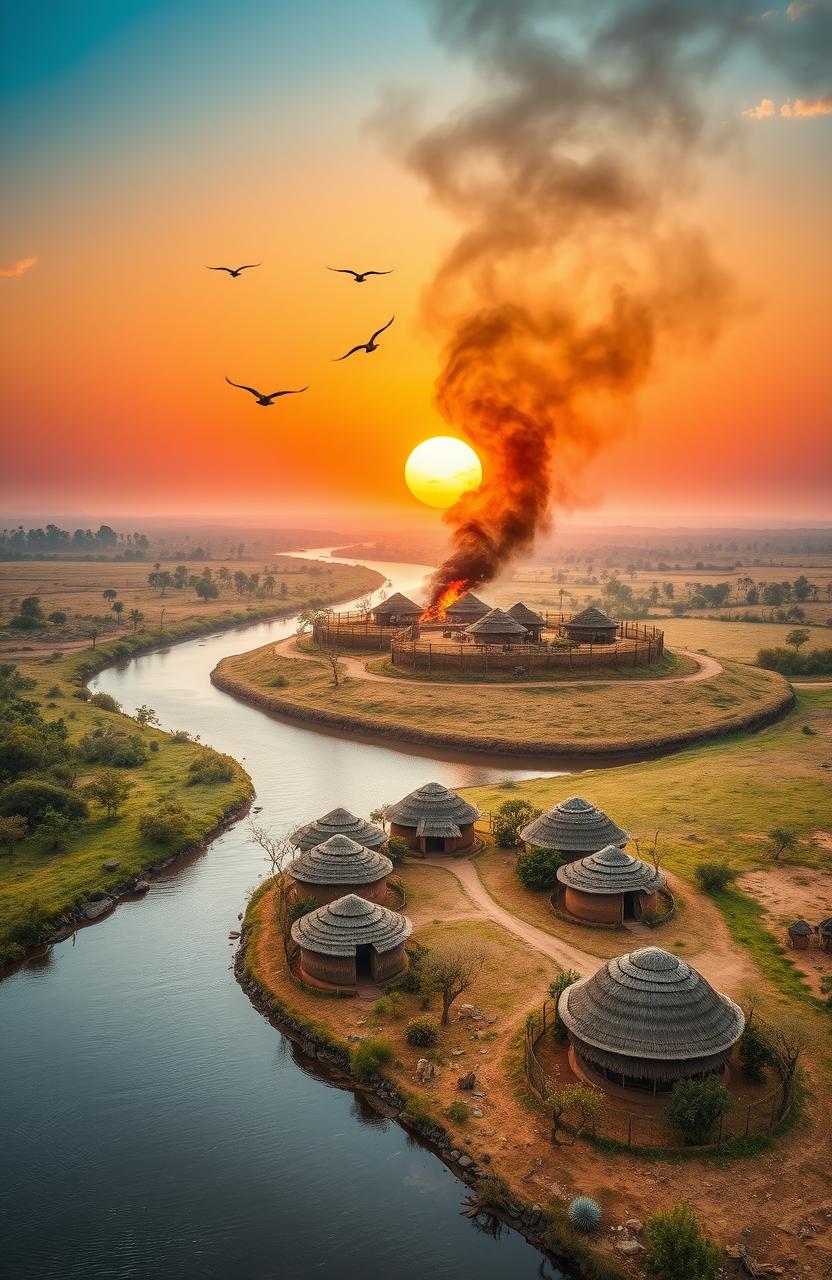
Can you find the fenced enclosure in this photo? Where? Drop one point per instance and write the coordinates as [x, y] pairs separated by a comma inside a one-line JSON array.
[[647, 1127]]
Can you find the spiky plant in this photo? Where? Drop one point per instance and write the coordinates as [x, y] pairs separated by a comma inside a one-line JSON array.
[[585, 1214]]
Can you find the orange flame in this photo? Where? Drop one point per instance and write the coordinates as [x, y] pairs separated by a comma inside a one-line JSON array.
[[436, 612]]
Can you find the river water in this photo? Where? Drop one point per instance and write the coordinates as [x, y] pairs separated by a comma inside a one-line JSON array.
[[155, 1125]]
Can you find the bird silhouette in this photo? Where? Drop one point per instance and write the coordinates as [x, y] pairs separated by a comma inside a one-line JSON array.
[[235, 271], [358, 276], [262, 398], [372, 345]]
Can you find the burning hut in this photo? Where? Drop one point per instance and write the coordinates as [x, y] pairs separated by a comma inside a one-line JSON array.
[[800, 934], [348, 940], [591, 626], [527, 618], [396, 611], [648, 1019], [466, 609], [338, 822], [497, 627], [610, 887], [433, 819], [573, 828], [340, 866]]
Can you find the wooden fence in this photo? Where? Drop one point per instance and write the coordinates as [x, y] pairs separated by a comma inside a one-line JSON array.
[[637, 1129], [636, 646]]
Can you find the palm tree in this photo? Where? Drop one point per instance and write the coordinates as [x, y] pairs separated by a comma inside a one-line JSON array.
[[136, 616], [118, 609]]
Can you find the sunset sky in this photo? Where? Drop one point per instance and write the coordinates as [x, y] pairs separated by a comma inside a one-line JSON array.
[[146, 139]]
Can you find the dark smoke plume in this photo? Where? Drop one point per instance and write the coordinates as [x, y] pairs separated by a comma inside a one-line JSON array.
[[567, 170]]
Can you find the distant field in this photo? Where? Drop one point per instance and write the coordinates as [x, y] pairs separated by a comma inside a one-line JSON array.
[[739, 640]]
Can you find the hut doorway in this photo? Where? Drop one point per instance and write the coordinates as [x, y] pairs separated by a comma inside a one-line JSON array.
[[434, 844], [364, 960], [631, 906]]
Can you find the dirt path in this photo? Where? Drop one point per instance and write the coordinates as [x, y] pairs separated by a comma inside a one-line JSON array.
[[707, 667]]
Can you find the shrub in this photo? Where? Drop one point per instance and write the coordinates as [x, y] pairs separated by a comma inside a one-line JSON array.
[[279, 682], [54, 832], [457, 1111], [32, 798], [713, 877], [694, 1108], [301, 907], [817, 662], [210, 767], [416, 1109], [112, 747], [584, 1213], [423, 1032], [166, 824], [58, 617], [380, 1008], [105, 701], [180, 735], [83, 694], [556, 989], [396, 1004], [678, 1248], [396, 849], [54, 692], [13, 829], [755, 1052], [367, 1057], [537, 869], [153, 744], [509, 821]]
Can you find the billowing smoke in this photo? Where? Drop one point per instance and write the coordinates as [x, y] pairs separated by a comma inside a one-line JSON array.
[[568, 168]]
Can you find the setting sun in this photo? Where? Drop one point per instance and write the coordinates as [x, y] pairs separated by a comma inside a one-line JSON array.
[[441, 469]]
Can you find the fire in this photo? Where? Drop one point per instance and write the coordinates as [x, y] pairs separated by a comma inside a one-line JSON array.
[[436, 612]]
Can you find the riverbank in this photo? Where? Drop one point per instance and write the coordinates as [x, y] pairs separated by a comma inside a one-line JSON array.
[[591, 720]]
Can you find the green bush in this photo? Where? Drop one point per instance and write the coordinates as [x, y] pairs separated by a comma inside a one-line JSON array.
[[302, 907], [537, 869], [396, 1004], [105, 702], [817, 662], [678, 1248], [168, 824], [457, 1111], [32, 798], [210, 767], [694, 1108], [153, 744], [54, 831], [396, 849], [367, 1057], [423, 1032], [755, 1052], [380, 1008], [556, 989], [509, 820], [112, 747], [83, 694], [58, 617], [713, 877]]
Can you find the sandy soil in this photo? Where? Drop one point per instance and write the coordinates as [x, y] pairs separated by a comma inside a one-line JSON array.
[[788, 893]]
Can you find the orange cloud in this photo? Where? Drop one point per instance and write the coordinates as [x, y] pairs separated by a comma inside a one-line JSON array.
[[19, 269], [800, 109], [799, 9]]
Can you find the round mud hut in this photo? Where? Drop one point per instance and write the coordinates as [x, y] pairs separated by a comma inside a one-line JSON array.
[[497, 627], [591, 626], [573, 828], [338, 822], [466, 609], [825, 934], [396, 611], [340, 866], [800, 934], [646, 1020], [527, 618], [609, 887], [351, 940], [433, 819]]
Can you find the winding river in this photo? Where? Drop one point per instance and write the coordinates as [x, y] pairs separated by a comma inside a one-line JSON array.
[[155, 1125]]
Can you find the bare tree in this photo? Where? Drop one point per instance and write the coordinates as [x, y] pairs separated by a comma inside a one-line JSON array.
[[279, 853], [789, 1036], [333, 660], [452, 967], [365, 602], [651, 852]]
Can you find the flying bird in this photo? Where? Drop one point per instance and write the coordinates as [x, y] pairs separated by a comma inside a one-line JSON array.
[[358, 276], [235, 271], [372, 345], [262, 398]]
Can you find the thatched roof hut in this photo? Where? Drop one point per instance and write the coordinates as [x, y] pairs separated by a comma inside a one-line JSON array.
[[466, 609], [609, 887], [350, 939], [591, 626], [574, 827], [497, 627], [825, 934], [533, 622], [800, 933], [433, 819], [396, 610], [339, 866], [338, 822], [647, 1019]]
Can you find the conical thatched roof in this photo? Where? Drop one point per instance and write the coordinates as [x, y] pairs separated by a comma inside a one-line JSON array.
[[338, 822], [496, 623], [523, 614], [591, 617], [397, 603], [574, 826], [651, 1015], [825, 927], [611, 870], [468, 605], [350, 922], [340, 860], [800, 929], [434, 811]]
